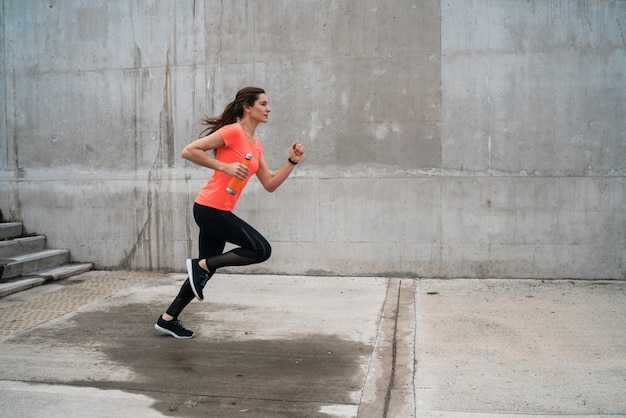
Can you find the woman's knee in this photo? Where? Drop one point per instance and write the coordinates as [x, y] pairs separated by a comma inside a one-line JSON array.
[[265, 251]]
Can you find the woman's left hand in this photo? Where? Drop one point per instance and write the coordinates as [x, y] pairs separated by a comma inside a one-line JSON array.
[[296, 152]]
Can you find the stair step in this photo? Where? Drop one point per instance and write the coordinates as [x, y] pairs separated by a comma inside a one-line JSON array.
[[16, 246], [10, 229], [18, 284], [60, 272], [10, 286], [27, 263]]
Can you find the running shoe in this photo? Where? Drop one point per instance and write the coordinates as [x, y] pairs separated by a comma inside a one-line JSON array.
[[198, 277], [174, 328]]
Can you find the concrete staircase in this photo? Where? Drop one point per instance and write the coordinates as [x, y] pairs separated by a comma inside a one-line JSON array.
[[25, 261]]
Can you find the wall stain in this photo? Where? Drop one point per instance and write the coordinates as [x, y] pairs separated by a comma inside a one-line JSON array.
[[150, 242], [167, 124]]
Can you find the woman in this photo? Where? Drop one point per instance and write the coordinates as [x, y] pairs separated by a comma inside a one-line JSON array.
[[230, 137]]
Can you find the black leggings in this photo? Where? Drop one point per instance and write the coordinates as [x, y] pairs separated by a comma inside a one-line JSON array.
[[217, 227]]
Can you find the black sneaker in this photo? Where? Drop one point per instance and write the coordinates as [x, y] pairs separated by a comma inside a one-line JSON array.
[[198, 277], [174, 328]]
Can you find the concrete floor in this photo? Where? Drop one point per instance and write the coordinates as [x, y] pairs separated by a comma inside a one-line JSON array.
[[291, 346]]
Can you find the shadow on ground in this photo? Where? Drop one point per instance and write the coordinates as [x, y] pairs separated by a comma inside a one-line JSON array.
[[216, 377]]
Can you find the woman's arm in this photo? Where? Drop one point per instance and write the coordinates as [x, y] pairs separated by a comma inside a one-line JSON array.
[[271, 181], [196, 152]]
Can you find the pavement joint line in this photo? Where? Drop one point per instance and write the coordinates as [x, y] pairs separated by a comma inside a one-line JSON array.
[[402, 402], [394, 347], [378, 372]]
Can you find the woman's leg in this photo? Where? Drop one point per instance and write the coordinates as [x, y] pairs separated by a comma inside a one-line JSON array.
[[216, 228], [208, 246], [253, 247]]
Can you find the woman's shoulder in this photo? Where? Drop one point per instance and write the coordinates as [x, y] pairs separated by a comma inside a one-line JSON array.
[[230, 127], [232, 133]]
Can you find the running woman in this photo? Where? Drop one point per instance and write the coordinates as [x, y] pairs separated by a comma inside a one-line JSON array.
[[229, 137]]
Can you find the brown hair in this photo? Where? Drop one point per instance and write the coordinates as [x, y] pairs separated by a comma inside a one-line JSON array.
[[234, 110]]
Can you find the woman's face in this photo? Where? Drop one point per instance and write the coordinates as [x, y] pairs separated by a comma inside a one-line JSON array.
[[261, 109]]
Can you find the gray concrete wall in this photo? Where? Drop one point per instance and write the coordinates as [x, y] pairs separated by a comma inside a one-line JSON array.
[[461, 138]]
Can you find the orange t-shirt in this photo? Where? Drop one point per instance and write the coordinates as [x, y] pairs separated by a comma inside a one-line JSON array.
[[236, 146]]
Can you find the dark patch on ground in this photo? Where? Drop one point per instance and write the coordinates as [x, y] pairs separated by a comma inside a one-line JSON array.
[[253, 377]]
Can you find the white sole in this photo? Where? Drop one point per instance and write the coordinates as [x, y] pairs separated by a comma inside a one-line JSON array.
[[168, 332]]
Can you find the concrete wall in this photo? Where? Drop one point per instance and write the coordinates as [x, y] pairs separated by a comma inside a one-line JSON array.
[[462, 138]]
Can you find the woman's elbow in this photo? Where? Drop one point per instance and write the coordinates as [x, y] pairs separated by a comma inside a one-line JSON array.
[[186, 153], [267, 184]]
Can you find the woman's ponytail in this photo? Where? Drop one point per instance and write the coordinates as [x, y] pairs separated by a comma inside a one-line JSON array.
[[232, 112]]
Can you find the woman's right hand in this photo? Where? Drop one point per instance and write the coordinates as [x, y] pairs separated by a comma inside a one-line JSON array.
[[236, 170]]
